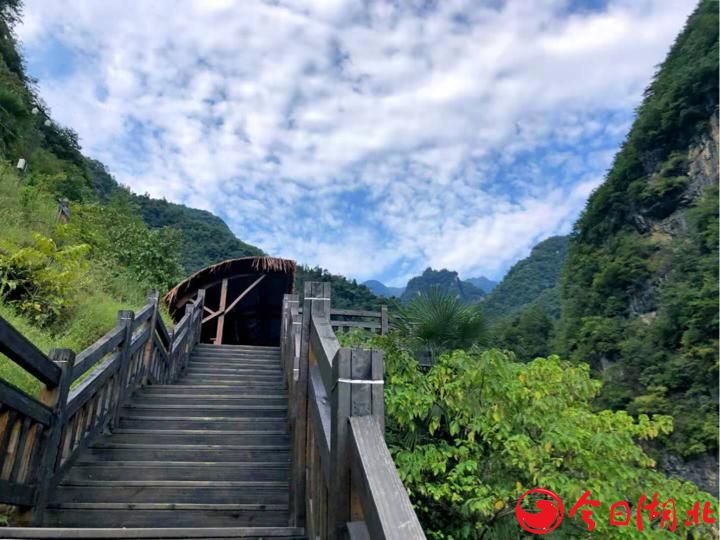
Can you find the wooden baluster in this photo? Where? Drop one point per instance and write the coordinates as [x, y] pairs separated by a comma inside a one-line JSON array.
[[55, 398], [149, 349], [125, 319]]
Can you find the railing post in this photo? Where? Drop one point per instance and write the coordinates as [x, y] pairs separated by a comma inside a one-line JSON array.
[[384, 320], [125, 319], [149, 350], [56, 398], [199, 304], [357, 391], [317, 297]]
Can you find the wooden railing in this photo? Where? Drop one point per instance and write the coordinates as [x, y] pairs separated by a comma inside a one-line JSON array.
[[347, 319], [81, 396], [343, 479]]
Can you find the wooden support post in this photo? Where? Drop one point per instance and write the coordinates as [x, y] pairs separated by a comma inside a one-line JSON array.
[[221, 309], [357, 391], [125, 319], [200, 304], [317, 296], [149, 349], [55, 398], [384, 320]]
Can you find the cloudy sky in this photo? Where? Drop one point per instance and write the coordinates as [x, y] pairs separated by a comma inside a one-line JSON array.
[[374, 138]]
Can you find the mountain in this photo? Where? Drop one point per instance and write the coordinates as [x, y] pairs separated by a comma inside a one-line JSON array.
[[484, 284], [532, 279], [444, 280], [205, 238], [640, 288], [380, 289]]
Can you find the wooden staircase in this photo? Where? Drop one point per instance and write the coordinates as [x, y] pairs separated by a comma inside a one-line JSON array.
[[210, 451], [149, 434]]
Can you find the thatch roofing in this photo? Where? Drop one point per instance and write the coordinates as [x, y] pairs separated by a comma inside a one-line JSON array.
[[227, 269]]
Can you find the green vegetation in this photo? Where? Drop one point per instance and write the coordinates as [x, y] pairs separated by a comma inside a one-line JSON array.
[[346, 293], [442, 280], [532, 279], [438, 322], [61, 285], [477, 430], [640, 285], [528, 333], [205, 239]]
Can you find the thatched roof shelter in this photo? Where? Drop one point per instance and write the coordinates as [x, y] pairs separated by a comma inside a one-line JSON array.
[[243, 299]]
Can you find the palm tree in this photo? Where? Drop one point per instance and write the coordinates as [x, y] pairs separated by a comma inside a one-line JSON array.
[[439, 322]]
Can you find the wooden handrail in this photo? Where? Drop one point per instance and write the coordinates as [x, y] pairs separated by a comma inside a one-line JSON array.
[[40, 438], [343, 480], [359, 318]]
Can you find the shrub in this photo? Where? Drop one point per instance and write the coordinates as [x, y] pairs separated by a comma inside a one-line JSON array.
[[41, 279]]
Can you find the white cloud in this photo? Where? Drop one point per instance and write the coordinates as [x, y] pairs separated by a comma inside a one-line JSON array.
[[373, 139]]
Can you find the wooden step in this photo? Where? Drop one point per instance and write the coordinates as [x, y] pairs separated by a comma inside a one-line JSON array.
[[148, 533], [208, 471], [186, 452], [154, 514], [237, 353], [210, 346], [226, 411], [210, 399], [217, 440], [177, 491], [234, 372], [219, 389], [235, 366], [163, 423], [239, 384], [230, 379]]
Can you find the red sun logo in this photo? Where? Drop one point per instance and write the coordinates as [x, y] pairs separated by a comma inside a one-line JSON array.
[[550, 511]]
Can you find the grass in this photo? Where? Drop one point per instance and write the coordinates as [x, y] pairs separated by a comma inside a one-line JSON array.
[[92, 311]]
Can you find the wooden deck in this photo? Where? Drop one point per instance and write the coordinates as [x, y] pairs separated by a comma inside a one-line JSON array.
[[150, 434]]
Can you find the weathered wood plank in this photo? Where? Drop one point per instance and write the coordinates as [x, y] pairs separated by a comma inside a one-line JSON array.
[[87, 388], [355, 313], [385, 502], [370, 325], [320, 417], [21, 351], [143, 315], [221, 308], [87, 358], [163, 332], [324, 346], [357, 530], [18, 494], [15, 398], [57, 399]]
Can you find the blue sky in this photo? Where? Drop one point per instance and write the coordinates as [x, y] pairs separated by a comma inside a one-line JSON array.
[[372, 138]]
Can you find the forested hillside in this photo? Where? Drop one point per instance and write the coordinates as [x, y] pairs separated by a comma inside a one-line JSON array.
[[640, 287], [205, 238], [443, 280], [532, 279]]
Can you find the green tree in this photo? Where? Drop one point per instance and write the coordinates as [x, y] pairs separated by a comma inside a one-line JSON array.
[[437, 321], [474, 433], [528, 333]]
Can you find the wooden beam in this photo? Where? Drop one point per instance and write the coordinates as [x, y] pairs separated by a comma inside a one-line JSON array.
[[221, 308], [222, 311], [245, 292]]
